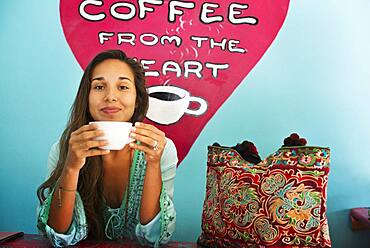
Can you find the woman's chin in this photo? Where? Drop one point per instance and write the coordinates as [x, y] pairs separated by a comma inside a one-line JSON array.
[[102, 116], [111, 118]]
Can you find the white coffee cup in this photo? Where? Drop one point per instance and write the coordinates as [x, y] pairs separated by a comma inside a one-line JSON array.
[[172, 104], [117, 133]]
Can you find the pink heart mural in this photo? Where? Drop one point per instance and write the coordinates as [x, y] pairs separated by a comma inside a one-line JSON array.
[[196, 51]]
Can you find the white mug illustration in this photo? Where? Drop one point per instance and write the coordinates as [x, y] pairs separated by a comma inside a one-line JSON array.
[[167, 104]]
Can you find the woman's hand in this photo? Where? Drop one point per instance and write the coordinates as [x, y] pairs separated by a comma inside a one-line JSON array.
[[152, 142], [83, 145]]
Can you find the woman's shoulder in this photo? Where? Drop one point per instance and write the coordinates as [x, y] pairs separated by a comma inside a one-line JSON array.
[[53, 157], [54, 149], [169, 155], [170, 146]]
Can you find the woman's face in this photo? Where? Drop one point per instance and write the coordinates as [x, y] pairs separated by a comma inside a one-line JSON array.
[[113, 94]]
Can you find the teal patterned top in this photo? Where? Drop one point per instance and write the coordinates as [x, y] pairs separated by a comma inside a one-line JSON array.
[[158, 231]]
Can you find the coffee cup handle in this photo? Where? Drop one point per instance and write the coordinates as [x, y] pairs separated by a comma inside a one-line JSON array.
[[200, 110]]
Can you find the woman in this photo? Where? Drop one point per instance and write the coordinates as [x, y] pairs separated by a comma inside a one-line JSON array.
[[99, 193]]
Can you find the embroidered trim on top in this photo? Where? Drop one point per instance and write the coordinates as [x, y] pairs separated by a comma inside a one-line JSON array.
[[166, 218], [116, 228]]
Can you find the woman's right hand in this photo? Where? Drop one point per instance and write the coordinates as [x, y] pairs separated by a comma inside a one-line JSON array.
[[83, 145]]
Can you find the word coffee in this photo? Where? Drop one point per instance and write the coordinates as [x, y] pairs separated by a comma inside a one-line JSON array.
[[175, 8]]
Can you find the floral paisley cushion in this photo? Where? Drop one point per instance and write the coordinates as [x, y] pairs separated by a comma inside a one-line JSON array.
[[280, 202]]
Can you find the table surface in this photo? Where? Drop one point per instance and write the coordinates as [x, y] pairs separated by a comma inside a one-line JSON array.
[[38, 241]]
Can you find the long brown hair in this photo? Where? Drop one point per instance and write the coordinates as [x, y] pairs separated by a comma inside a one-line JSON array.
[[90, 181]]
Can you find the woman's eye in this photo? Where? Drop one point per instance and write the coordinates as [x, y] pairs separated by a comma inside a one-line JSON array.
[[99, 87], [123, 87]]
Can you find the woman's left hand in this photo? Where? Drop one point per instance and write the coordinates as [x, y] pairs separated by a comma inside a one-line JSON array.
[[152, 141]]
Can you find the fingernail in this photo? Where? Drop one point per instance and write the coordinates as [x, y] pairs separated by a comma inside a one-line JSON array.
[[131, 144], [132, 135], [137, 124], [133, 129]]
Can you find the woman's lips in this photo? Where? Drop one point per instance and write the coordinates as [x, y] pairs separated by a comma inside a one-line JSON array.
[[110, 110]]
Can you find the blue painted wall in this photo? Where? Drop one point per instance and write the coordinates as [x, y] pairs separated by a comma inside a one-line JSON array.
[[314, 79]]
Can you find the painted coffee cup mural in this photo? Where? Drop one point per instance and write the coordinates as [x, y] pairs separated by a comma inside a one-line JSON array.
[[195, 53], [167, 104]]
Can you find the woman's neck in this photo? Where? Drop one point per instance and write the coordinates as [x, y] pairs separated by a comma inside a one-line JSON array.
[[117, 158], [116, 166]]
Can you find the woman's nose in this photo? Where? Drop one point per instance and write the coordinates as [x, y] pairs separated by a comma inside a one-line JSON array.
[[111, 96]]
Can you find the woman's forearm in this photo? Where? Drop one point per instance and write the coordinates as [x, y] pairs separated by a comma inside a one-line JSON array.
[[150, 206], [63, 201]]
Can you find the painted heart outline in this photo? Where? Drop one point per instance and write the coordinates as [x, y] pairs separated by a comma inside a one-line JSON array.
[[210, 61]]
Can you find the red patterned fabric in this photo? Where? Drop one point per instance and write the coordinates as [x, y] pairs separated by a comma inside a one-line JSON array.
[[280, 202]]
